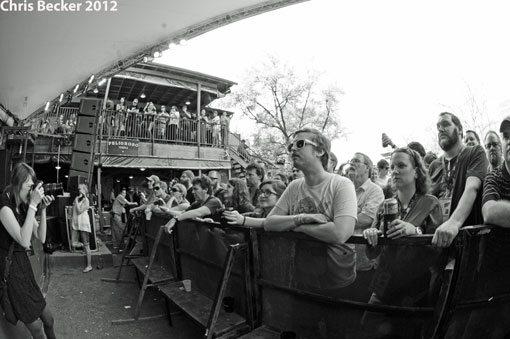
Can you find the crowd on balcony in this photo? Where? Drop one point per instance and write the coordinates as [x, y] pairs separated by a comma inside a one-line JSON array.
[[144, 122]]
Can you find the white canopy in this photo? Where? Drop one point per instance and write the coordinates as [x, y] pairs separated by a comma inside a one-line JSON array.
[[45, 53]]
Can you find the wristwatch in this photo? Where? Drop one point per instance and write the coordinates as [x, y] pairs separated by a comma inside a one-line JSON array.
[[418, 231]]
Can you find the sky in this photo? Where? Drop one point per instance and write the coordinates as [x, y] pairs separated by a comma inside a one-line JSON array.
[[399, 63]]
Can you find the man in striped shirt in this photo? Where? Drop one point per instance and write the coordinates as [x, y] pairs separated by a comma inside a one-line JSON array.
[[493, 321]]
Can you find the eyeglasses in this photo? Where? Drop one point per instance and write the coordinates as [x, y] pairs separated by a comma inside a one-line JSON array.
[[213, 178], [175, 190], [156, 188], [268, 193], [300, 144], [356, 161], [492, 144]]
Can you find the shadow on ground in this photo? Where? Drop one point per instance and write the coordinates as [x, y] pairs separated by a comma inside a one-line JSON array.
[[84, 307]]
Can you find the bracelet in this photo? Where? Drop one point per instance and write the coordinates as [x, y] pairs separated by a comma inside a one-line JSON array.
[[33, 207], [244, 220]]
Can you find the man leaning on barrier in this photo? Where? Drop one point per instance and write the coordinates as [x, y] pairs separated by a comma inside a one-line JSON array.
[[205, 204], [323, 206], [493, 321]]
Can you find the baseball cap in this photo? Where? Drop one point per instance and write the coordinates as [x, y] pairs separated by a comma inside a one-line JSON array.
[[505, 124], [153, 178]]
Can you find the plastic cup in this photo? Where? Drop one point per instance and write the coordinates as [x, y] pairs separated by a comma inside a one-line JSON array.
[[228, 304], [148, 215], [187, 285]]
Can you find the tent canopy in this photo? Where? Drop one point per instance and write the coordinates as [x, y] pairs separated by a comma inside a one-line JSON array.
[[45, 53]]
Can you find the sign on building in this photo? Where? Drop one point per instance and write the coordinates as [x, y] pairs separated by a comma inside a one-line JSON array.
[[123, 146]]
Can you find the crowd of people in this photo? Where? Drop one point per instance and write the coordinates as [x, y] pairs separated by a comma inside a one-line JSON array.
[[468, 184], [437, 195]]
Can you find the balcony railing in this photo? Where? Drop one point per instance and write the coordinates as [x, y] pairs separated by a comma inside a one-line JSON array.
[[141, 126]]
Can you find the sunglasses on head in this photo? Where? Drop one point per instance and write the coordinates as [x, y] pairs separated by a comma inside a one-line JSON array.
[[300, 144]]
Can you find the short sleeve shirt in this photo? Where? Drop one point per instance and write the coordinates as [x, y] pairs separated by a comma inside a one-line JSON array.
[[320, 265], [471, 162], [497, 187], [118, 204], [212, 203]]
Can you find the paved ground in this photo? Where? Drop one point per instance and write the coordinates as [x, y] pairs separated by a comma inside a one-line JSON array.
[[84, 307]]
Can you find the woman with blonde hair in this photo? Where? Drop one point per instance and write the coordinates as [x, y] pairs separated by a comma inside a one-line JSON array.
[[81, 222]]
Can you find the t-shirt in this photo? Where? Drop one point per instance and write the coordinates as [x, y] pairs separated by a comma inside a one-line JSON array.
[[118, 204], [471, 162], [403, 274], [212, 203], [189, 195], [370, 196], [321, 266], [497, 247]]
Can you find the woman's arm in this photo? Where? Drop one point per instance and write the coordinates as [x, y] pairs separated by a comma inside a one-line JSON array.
[[82, 205], [21, 234], [41, 228]]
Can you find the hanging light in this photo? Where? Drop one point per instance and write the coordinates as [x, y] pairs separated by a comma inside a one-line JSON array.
[[101, 82], [130, 177], [96, 90], [172, 45], [142, 169], [91, 78], [61, 97], [47, 107], [76, 88], [157, 53], [188, 103], [142, 95]]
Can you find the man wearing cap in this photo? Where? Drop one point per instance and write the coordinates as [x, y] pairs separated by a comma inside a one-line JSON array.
[[492, 144], [151, 181], [186, 179], [457, 178], [323, 206], [492, 319]]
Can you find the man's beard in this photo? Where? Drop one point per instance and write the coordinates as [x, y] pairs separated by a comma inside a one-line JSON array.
[[450, 142], [494, 159]]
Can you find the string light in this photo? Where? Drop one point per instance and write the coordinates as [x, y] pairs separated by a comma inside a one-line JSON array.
[[47, 106], [142, 95], [172, 45], [157, 53], [91, 78], [76, 88], [101, 82], [61, 97], [183, 42]]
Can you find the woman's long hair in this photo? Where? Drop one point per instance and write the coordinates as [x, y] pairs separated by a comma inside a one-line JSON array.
[[240, 193], [19, 176], [422, 182]]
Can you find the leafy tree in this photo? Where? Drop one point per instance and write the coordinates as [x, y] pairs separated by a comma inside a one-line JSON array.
[[281, 101]]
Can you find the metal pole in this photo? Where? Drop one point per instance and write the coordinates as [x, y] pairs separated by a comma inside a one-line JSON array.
[[99, 164], [199, 132]]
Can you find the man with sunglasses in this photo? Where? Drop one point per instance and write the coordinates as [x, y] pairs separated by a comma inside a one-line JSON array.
[[382, 177], [492, 144], [321, 205]]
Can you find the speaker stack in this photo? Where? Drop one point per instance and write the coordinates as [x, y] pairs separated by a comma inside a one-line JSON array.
[[82, 160]]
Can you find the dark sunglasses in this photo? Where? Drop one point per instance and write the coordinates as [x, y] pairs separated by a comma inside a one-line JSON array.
[[300, 144], [156, 188], [175, 190], [492, 144]]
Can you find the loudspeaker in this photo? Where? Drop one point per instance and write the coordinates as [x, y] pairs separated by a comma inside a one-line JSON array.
[[81, 161], [76, 178], [86, 124], [83, 142], [90, 107]]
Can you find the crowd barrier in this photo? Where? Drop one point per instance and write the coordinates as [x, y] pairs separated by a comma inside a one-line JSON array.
[[278, 265]]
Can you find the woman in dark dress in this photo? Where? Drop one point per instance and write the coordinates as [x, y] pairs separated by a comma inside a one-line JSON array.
[[18, 207]]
